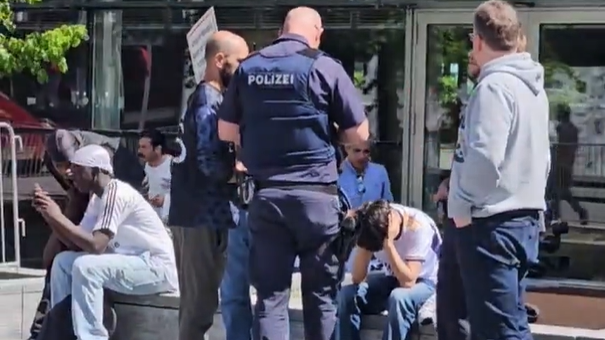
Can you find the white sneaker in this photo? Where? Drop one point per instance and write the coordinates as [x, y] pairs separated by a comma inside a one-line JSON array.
[[428, 312]]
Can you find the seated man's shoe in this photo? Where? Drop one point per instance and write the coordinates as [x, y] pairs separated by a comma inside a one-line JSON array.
[[533, 313], [428, 312]]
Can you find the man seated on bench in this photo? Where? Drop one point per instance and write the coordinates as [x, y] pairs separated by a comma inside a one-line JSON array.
[[125, 247], [407, 242]]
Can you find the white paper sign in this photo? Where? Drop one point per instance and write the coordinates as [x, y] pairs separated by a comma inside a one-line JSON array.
[[197, 37]]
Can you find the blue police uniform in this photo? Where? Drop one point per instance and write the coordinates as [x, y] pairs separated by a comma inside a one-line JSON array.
[[286, 139]]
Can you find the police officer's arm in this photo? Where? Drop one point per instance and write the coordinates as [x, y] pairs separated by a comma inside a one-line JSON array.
[[213, 157], [230, 113], [331, 82]]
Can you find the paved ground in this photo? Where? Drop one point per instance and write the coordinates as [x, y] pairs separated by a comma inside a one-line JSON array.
[[19, 298], [17, 306], [15, 314]]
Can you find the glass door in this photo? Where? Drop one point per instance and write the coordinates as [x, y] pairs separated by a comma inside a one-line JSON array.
[[571, 50], [441, 86]]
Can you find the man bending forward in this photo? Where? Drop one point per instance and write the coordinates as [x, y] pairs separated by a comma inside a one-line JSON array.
[[125, 246], [407, 242]]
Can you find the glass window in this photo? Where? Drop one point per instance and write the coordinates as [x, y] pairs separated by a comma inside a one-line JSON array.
[[64, 99], [447, 88], [258, 39], [374, 59], [152, 75], [575, 82]]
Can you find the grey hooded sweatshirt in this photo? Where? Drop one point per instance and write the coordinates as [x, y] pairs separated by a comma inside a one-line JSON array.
[[502, 157]]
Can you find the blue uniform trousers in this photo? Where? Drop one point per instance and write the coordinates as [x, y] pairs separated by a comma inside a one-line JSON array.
[[285, 223], [494, 255], [236, 308]]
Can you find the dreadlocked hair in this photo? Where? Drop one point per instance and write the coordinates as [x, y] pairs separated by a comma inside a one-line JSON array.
[[373, 218]]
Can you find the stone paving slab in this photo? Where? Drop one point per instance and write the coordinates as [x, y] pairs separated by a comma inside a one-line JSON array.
[[19, 298], [16, 313]]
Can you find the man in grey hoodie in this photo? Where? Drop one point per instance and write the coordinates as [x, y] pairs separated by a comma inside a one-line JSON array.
[[499, 174]]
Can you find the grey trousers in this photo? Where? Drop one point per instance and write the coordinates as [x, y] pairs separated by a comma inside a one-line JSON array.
[[200, 259]]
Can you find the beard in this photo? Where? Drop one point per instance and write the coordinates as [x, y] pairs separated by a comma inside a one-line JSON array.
[[225, 77]]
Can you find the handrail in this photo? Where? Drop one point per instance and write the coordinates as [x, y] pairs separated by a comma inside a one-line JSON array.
[[15, 198]]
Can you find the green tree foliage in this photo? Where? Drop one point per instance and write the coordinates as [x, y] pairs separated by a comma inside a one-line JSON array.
[[35, 51]]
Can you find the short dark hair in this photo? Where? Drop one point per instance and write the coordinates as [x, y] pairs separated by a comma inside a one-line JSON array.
[[156, 137], [373, 218], [496, 22]]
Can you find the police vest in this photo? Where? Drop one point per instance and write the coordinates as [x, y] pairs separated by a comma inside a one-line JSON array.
[[281, 127]]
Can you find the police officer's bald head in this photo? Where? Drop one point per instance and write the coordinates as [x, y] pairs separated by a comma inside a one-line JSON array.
[[306, 22], [224, 51]]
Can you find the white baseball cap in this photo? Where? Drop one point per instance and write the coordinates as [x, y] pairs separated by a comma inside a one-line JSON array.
[[93, 156]]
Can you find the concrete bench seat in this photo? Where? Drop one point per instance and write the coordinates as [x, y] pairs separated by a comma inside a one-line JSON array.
[[146, 317], [156, 318]]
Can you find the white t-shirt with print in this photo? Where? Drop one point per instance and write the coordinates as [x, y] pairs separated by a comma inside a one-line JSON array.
[[158, 178], [137, 229], [419, 244]]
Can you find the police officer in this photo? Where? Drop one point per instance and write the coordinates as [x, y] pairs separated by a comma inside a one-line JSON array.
[[280, 107]]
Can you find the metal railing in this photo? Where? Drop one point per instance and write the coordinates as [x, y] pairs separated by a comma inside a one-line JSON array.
[[10, 142], [588, 159], [29, 158]]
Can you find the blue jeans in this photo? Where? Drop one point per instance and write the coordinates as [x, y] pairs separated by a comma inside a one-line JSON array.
[[494, 255], [236, 307], [84, 276], [377, 294]]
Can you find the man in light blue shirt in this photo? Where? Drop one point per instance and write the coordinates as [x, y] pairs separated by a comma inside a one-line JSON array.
[[363, 180]]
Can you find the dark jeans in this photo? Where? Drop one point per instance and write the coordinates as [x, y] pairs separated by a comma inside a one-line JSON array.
[[452, 316], [285, 223], [494, 255], [373, 296]]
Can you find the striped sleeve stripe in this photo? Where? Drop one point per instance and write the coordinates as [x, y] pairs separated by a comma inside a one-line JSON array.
[[110, 205]]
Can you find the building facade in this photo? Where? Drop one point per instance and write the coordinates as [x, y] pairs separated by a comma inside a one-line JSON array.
[[408, 60]]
